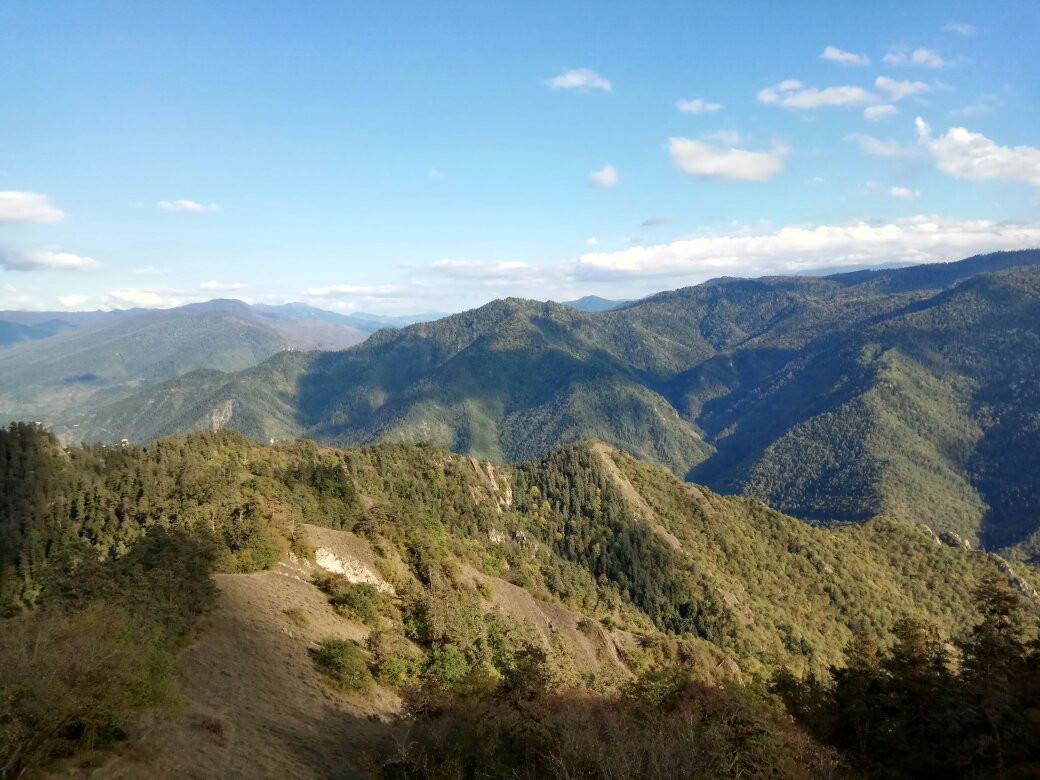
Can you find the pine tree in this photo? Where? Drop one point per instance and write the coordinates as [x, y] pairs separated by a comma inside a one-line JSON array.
[[994, 656]]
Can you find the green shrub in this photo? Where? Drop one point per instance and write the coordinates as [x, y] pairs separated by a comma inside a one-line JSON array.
[[447, 665], [399, 670], [360, 601], [346, 664], [399, 662]]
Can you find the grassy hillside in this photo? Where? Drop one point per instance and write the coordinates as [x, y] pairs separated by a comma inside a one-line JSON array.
[[908, 392]]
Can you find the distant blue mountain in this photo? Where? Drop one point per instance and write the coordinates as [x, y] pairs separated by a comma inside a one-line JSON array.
[[593, 303]]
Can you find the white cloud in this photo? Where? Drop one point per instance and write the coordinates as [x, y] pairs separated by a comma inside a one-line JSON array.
[[903, 192], [592, 241], [897, 90], [136, 297], [71, 301], [696, 106], [213, 284], [435, 173], [45, 259], [187, 205], [798, 249], [921, 56], [960, 28], [794, 94], [606, 176], [875, 147], [355, 290], [486, 270], [709, 162], [28, 207], [580, 78], [927, 57], [151, 270], [966, 155], [880, 111], [834, 54]]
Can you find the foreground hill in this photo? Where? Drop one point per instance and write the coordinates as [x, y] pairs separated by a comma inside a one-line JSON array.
[[68, 364], [353, 579], [587, 527], [910, 392]]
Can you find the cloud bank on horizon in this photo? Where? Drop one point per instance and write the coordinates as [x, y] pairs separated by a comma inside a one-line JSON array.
[[506, 162]]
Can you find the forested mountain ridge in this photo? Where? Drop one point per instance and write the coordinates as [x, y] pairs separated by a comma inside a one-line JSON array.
[[474, 583], [666, 555], [907, 391]]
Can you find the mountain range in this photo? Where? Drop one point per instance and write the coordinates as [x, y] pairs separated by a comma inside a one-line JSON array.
[[909, 391], [398, 609], [58, 366]]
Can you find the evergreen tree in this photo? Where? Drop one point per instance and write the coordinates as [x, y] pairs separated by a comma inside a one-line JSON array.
[[994, 657]]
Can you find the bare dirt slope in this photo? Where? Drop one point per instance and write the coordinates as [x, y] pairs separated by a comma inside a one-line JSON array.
[[593, 648], [255, 706]]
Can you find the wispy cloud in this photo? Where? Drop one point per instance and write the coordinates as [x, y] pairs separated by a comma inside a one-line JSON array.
[[834, 54], [435, 173], [484, 270], [982, 105], [28, 207], [904, 192], [656, 221], [966, 155], [607, 176], [697, 106], [48, 259], [960, 28], [792, 93], [880, 111], [897, 90], [922, 56], [136, 297], [724, 137], [875, 147], [710, 162], [187, 205], [798, 249], [582, 79]]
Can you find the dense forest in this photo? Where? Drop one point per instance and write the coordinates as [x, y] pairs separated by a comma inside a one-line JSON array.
[[910, 392], [720, 636]]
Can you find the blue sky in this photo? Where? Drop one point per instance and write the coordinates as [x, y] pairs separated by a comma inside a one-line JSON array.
[[405, 157]]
